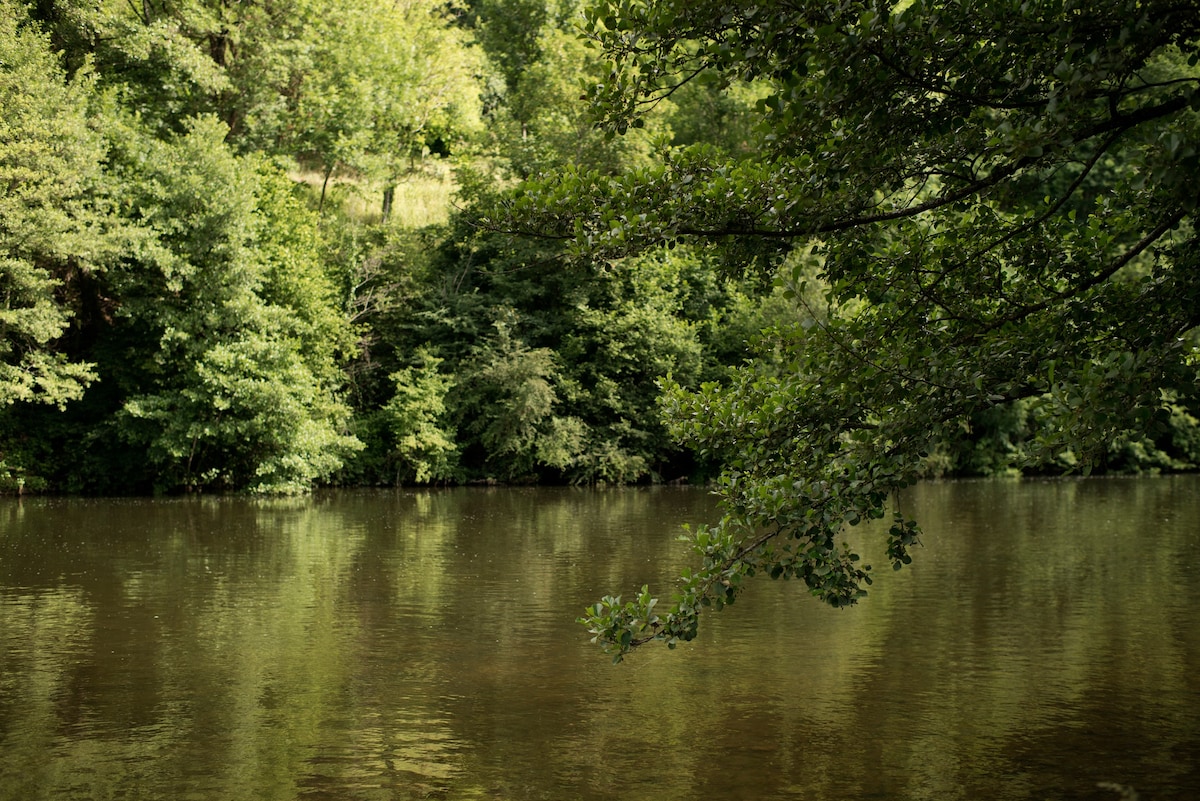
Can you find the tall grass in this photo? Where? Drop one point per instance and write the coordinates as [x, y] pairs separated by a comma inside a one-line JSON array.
[[422, 198]]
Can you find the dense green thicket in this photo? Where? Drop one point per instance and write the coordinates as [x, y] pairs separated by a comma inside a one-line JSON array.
[[538, 369], [209, 283], [184, 314]]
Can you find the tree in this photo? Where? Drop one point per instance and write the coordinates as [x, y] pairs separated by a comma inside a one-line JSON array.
[[166, 61], [426, 80], [996, 201], [364, 86], [389, 84], [555, 369], [509, 31], [424, 448], [52, 221], [223, 359], [546, 128]]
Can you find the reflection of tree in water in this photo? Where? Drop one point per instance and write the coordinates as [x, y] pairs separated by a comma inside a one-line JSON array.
[[421, 645]]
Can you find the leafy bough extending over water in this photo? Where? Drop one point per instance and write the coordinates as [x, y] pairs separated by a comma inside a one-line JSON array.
[[803, 463], [831, 573], [996, 200]]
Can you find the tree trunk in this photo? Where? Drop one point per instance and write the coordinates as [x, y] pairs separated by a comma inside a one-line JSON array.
[[389, 197], [324, 186]]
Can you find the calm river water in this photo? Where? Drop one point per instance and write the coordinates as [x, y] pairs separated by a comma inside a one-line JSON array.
[[412, 645]]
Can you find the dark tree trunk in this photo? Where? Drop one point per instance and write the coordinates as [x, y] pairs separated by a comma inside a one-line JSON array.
[[324, 186], [389, 197]]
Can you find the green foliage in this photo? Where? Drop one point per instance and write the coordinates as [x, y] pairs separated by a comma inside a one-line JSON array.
[[163, 61], [510, 389], [50, 230], [510, 32], [1004, 440], [159, 256], [367, 87], [238, 392], [416, 420], [709, 111], [221, 360], [543, 127], [388, 83], [957, 239], [998, 198], [558, 364]]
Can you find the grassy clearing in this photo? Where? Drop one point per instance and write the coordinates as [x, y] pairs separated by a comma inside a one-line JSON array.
[[423, 198]]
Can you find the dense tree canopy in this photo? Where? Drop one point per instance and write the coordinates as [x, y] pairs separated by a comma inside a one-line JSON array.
[[996, 203], [958, 239], [183, 313]]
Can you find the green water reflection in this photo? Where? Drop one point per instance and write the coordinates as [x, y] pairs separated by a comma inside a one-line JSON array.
[[421, 645]]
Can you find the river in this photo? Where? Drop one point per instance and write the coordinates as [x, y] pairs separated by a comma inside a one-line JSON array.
[[421, 645]]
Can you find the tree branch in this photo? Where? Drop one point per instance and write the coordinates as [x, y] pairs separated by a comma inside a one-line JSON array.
[[1033, 308]]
